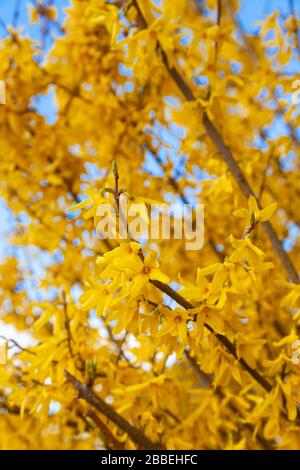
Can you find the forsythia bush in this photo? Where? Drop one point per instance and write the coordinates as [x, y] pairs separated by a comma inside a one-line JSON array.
[[147, 345]]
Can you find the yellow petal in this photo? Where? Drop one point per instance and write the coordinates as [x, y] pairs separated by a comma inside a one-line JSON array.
[[267, 213], [138, 284], [210, 269], [157, 275], [253, 207], [241, 213], [168, 327], [146, 200], [80, 205]]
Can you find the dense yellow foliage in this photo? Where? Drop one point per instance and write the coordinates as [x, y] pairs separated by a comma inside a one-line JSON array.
[[191, 349]]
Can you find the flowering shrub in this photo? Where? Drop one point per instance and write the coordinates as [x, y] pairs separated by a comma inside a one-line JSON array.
[[122, 343]]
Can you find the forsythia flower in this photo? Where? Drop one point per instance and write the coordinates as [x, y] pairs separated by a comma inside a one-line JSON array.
[[292, 299], [175, 324], [109, 18], [254, 214], [142, 271], [159, 99], [98, 296]]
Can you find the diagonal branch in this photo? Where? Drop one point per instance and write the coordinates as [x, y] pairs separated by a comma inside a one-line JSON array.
[[89, 396], [202, 377], [111, 442], [166, 289], [67, 325], [226, 154]]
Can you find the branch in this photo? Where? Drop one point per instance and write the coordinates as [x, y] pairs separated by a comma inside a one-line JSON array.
[[15, 343], [219, 12], [227, 155], [219, 18], [67, 325], [89, 396], [111, 442], [166, 289]]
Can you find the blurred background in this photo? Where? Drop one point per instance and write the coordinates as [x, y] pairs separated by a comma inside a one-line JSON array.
[[17, 14]]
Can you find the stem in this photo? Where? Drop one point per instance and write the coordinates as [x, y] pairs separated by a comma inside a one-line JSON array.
[[116, 192], [67, 325]]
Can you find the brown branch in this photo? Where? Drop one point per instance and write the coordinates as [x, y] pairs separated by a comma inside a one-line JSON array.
[[90, 397], [249, 229], [166, 289], [111, 442], [219, 12], [219, 18], [295, 23], [67, 325], [226, 154]]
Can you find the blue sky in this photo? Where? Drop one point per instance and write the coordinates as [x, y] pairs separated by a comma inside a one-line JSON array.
[[256, 10], [7, 8]]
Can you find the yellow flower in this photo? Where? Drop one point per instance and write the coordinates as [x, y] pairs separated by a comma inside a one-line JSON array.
[[198, 292], [109, 18], [144, 271], [99, 296], [50, 13], [292, 299], [254, 214], [248, 349], [249, 256], [34, 16], [117, 254], [125, 259], [175, 325], [147, 200], [94, 198], [207, 316]]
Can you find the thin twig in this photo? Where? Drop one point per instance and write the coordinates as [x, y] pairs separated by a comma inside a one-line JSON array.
[[10, 340], [90, 397]]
